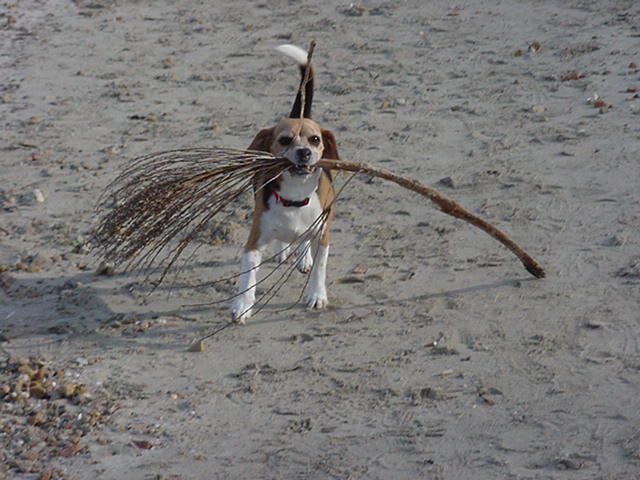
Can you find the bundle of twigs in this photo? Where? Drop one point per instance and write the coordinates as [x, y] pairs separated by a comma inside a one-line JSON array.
[[173, 195]]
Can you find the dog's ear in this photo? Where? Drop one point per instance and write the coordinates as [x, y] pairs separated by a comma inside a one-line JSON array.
[[263, 140], [330, 145]]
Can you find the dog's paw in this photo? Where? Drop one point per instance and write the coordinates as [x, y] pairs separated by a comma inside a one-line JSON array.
[[317, 301], [241, 309], [304, 263]]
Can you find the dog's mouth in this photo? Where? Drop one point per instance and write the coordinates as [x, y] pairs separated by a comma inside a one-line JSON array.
[[302, 169]]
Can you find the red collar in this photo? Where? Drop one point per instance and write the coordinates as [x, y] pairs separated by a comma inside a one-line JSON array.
[[290, 203]]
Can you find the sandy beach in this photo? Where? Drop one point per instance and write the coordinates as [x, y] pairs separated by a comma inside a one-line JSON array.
[[439, 356]]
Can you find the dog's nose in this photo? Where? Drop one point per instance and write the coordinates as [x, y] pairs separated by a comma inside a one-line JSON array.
[[304, 155]]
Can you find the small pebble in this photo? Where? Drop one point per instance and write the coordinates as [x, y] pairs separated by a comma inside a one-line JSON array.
[[615, 241], [446, 182], [198, 346], [301, 338], [105, 269], [39, 260], [38, 195]]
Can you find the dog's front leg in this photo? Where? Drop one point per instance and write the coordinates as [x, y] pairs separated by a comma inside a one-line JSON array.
[[317, 297], [243, 303]]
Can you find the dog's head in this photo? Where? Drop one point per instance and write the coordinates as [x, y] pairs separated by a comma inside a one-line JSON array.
[[299, 140]]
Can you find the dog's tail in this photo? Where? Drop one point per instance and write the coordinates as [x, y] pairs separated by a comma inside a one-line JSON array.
[[300, 56]]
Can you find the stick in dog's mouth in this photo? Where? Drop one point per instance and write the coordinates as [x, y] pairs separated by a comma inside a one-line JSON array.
[[302, 169]]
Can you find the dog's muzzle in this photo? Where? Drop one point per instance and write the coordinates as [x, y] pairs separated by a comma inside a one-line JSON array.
[[303, 163]]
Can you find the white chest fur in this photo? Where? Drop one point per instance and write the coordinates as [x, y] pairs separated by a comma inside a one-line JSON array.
[[288, 223]]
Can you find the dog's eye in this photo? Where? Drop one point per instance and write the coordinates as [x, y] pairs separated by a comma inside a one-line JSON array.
[[284, 141], [314, 139]]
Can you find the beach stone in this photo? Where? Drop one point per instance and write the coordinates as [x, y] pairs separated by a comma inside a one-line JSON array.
[[39, 260], [105, 268], [446, 182]]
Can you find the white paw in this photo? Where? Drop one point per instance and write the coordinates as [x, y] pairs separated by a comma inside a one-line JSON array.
[[317, 300], [304, 262], [241, 309]]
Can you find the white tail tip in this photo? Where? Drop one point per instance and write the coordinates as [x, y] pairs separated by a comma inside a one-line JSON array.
[[297, 53]]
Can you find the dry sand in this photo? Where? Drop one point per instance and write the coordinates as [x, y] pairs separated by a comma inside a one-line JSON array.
[[487, 100]]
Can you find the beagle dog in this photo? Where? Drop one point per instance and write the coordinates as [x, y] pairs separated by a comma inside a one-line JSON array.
[[300, 202]]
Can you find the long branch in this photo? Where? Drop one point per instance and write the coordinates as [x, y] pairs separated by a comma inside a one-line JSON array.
[[446, 205]]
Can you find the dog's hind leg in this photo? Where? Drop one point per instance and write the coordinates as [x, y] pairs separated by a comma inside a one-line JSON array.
[[304, 257], [281, 251]]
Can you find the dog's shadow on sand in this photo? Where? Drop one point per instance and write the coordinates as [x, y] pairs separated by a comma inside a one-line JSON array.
[[42, 312], [274, 308], [38, 312]]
